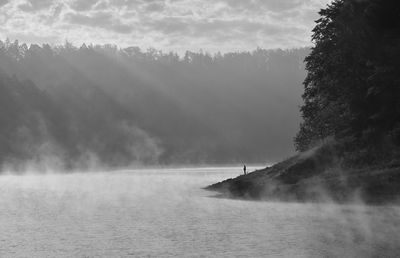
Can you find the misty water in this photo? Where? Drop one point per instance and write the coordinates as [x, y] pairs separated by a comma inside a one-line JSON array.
[[165, 213]]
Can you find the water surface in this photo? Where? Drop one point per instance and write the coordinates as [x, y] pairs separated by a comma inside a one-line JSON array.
[[165, 213]]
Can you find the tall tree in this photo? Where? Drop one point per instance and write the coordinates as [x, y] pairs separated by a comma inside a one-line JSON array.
[[352, 89]]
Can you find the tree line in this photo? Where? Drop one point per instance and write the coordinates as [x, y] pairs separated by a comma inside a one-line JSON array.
[[122, 106], [352, 88]]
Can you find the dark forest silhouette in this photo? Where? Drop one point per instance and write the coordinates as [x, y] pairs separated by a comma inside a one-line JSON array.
[[125, 105], [352, 90]]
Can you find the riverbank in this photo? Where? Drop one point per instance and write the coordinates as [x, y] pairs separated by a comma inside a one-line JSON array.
[[314, 177]]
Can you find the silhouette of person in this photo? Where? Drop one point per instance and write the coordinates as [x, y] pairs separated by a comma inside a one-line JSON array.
[[244, 169]]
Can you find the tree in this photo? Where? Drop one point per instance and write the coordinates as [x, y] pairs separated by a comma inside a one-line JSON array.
[[352, 88]]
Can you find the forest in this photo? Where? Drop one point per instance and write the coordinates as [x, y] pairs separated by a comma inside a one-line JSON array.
[[352, 88], [115, 107]]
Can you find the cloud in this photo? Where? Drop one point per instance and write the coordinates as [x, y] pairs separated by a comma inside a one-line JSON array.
[[3, 2], [35, 5], [155, 7], [99, 20], [212, 25], [272, 5], [83, 5], [209, 28]]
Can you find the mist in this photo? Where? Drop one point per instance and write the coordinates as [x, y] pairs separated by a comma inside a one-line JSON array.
[[128, 107], [227, 128], [155, 213]]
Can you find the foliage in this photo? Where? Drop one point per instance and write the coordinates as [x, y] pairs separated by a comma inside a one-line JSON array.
[[352, 89], [125, 106]]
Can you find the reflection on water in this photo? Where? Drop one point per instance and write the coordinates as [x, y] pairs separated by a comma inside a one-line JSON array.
[[164, 213]]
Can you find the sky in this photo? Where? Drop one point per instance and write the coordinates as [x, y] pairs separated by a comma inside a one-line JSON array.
[[169, 25]]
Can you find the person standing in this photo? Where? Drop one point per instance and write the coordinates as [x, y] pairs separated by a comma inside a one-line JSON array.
[[244, 169]]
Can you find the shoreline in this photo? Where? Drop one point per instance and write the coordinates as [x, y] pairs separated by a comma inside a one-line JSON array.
[[313, 178]]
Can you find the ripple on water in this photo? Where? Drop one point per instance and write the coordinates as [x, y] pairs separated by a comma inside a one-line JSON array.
[[166, 214]]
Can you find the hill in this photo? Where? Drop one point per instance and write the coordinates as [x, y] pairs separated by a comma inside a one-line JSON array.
[[121, 107]]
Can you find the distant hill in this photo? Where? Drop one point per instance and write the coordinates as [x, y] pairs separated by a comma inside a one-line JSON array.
[[120, 107]]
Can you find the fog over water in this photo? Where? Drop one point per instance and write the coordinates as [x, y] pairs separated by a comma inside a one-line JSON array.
[[165, 213]]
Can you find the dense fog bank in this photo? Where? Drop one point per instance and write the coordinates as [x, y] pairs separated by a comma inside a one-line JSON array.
[[119, 107]]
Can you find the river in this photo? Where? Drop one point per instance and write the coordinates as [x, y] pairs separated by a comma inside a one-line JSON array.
[[165, 213]]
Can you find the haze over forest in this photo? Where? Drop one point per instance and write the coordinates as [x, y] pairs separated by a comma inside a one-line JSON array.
[[122, 107]]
